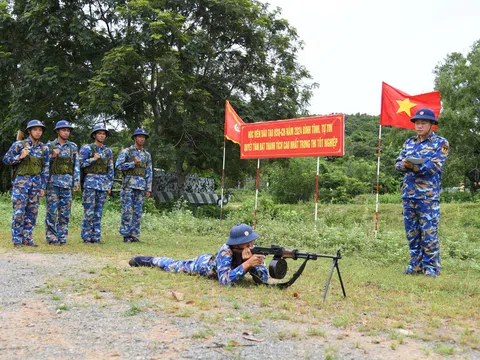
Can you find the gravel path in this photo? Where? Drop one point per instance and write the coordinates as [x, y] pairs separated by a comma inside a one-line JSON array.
[[40, 321]]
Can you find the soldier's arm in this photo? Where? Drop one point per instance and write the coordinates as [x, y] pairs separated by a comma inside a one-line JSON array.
[[84, 156], [149, 173], [12, 156], [76, 167], [226, 275], [121, 163], [398, 163], [46, 167], [110, 169], [260, 271], [435, 163]]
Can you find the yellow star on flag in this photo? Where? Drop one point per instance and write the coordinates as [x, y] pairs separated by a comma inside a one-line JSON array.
[[405, 106]]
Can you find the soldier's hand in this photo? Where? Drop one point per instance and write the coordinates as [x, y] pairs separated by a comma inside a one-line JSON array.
[[147, 194], [42, 192], [96, 156], [137, 161], [109, 192], [246, 253], [76, 188], [25, 152], [407, 164], [55, 152], [255, 260]]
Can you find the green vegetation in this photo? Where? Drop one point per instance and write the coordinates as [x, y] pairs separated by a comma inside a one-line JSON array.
[[380, 299]]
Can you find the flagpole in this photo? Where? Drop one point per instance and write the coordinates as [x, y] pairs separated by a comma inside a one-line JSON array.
[[316, 195], [223, 179], [378, 180], [257, 180]]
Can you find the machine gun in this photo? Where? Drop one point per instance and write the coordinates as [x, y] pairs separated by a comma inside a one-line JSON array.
[[278, 266]]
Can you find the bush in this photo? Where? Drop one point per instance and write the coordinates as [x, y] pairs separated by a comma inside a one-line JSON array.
[[294, 182]]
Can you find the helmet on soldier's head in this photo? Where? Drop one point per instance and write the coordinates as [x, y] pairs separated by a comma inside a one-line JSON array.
[[241, 234], [425, 114], [34, 123], [140, 131], [63, 124], [99, 128]]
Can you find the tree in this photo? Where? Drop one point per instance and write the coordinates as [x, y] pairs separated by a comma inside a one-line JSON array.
[[174, 63], [458, 80]]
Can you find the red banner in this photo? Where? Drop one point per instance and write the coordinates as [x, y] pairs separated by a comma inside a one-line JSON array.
[[303, 137]]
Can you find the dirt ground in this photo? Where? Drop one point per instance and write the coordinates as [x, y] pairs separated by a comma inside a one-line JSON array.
[[41, 321]]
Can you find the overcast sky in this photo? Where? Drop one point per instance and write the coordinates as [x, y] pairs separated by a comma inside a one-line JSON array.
[[351, 46]]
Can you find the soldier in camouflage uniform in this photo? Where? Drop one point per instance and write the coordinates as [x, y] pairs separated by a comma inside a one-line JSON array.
[[421, 160], [232, 262], [96, 160], [30, 159], [136, 165], [64, 176]]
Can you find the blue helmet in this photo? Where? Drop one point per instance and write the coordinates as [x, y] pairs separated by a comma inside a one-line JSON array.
[[34, 123], [98, 128], [63, 124], [425, 114], [140, 131], [241, 234]]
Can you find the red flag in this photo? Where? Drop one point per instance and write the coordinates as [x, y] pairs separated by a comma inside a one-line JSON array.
[[233, 124], [399, 107]]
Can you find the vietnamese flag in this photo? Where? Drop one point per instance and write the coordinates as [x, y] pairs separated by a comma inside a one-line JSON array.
[[233, 124], [399, 107]]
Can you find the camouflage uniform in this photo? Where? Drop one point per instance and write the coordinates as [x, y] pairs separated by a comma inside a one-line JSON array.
[[95, 189], [207, 265], [26, 188], [421, 201], [136, 181], [59, 190]]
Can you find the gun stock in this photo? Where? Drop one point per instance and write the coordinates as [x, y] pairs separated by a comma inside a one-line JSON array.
[[20, 135]]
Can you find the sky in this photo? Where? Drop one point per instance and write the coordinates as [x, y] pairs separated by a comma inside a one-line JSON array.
[[351, 46]]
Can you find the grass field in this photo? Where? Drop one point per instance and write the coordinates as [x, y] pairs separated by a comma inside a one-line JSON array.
[[380, 299]]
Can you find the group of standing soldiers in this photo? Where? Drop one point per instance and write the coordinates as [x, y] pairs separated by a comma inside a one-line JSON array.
[[54, 169]]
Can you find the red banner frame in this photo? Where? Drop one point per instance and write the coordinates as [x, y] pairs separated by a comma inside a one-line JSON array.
[[302, 137]]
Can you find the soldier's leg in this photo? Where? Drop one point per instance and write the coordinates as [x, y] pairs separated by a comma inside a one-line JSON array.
[[88, 206], [412, 229], [429, 217], [65, 205], [31, 213], [138, 197], [127, 212], [51, 218], [170, 265], [100, 197], [19, 204]]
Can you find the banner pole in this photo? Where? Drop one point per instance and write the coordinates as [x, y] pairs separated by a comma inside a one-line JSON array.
[[378, 180], [316, 195], [257, 180], [223, 179]]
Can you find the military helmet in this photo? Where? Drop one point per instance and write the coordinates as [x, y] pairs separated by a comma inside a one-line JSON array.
[[140, 131], [63, 124], [425, 114], [99, 128], [241, 234], [34, 123]]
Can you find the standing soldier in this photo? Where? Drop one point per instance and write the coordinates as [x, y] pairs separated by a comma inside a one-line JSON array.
[[136, 165], [96, 160], [64, 175], [421, 160], [30, 159]]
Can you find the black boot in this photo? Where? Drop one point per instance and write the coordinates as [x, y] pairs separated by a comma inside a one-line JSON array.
[[141, 261]]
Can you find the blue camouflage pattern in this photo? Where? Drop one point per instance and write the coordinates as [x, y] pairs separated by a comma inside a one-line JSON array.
[[95, 191], [59, 203], [211, 266], [26, 190], [133, 189], [93, 201], [421, 201], [59, 195]]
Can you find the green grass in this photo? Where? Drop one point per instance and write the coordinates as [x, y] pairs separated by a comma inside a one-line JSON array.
[[379, 297]]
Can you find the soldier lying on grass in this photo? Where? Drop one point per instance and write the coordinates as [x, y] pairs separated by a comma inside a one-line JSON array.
[[232, 262]]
